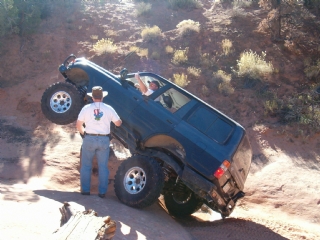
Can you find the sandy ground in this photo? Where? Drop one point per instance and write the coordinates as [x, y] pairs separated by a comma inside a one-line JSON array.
[[39, 160]]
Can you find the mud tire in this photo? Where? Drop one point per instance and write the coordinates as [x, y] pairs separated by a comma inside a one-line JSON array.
[[69, 112], [139, 181], [182, 208]]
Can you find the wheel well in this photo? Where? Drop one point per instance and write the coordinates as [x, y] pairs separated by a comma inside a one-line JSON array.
[[78, 76], [168, 143]]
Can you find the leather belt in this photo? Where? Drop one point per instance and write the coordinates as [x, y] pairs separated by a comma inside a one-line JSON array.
[[96, 134]]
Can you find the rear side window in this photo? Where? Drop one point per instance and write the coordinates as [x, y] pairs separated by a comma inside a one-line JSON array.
[[209, 123]]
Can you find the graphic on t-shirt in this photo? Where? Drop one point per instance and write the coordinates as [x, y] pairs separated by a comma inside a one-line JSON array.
[[97, 114]]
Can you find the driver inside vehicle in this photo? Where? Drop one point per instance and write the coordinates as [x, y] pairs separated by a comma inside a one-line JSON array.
[[147, 91]]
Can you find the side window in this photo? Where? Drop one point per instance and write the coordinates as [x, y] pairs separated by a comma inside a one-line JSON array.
[[209, 123], [145, 79], [173, 100]]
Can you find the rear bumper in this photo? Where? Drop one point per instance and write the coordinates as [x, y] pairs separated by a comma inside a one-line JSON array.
[[212, 194]]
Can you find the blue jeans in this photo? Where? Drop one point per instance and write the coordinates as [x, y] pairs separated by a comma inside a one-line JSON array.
[[99, 146]]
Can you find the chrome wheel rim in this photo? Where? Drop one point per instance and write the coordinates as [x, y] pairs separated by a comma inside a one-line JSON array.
[[60, 102], [134, 180]]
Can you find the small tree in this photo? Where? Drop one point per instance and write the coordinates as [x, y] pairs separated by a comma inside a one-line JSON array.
[[8, 17]]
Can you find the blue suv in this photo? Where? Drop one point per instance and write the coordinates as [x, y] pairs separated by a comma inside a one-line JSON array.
[[181, 147]]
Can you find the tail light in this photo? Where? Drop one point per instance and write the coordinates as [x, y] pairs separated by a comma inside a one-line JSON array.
[[222, 169]]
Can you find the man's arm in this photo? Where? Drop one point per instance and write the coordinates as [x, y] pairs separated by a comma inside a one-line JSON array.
[[142, 87], [118, 123], [80, 127]]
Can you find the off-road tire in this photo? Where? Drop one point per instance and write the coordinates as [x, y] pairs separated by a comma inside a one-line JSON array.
[[69, 112], [182, 208], [139, 181]]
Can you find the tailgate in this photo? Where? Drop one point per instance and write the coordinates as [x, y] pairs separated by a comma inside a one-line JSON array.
[[241, 162]]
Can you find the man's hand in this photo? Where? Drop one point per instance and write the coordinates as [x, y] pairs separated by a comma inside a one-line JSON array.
[[82, 135]]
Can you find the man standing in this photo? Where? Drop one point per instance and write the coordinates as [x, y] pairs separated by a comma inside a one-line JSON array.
[[97, 117]]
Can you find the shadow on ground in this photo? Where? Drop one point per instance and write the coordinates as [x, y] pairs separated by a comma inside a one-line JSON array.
[[155, 223]]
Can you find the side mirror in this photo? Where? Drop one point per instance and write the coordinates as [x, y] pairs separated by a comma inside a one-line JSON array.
[[123, 74]]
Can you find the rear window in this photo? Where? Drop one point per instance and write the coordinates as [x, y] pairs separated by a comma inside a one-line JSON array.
[[211, 124]]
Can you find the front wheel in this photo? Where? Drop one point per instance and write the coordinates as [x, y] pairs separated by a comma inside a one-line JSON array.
[[61, 103], [182, 202], [139, 181]]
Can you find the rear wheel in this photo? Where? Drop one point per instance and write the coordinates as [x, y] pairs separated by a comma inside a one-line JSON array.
[[182, 201], [61, 103], [139, 181]]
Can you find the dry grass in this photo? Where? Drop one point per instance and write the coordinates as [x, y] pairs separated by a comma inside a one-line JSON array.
[[205, 91], [253, 66], [141, 52], [180, 56], [194, 71], [104, 46], [169, 49], [223, 81], [312, 70], [206, 61], [180, 79], [142, 9], [155, 55], [226, 46], [186, 27], [151, 33]]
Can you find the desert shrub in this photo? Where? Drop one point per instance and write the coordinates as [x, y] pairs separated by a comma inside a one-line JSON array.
[[110, 32], [223, 81], [151, 33], [238, 12], [206, 61], [312, 70], [194, 71], [184, 4], [141, 52], [142, 9], [8, 18], [155, 55], [94, 37], [241, 4], [271, 107], [169, 49], [205, 91], [180, 79], [225, 88], [186, 27], [253, 66], [226, 46], [104, 46], [180, 56]]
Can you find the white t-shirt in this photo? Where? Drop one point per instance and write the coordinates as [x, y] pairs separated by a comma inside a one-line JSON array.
[[97, 116], [149, 92]]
